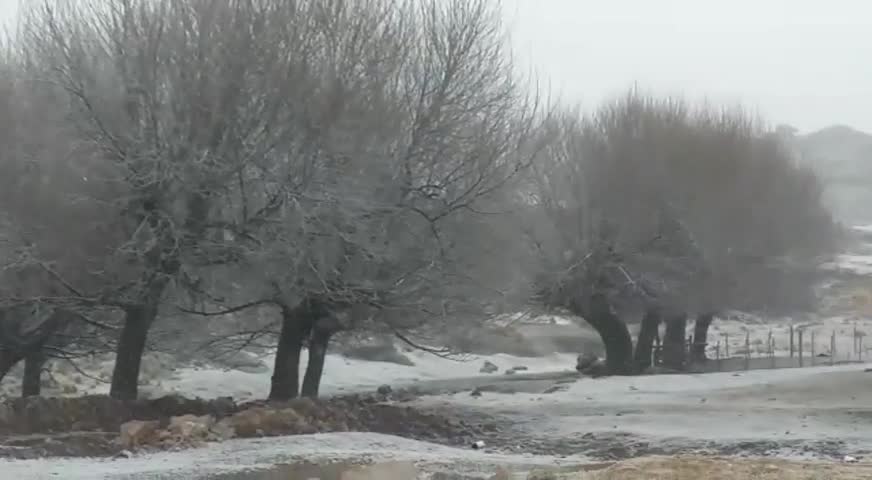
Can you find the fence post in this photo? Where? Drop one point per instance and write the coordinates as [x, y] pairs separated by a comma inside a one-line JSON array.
[[800, 347], [727, 345], [772, 349], [854, 344], [813, 359], [791, 341], [718, 354]]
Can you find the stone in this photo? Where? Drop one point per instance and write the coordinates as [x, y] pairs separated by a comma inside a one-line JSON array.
[[585, 361], [501, 474], [382, 471], [260, 421], [488, 368], [385, 390], [191, 427], [138, 433], [222, 430]]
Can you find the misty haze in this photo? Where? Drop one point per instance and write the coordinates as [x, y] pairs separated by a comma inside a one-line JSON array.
[[435, 239]]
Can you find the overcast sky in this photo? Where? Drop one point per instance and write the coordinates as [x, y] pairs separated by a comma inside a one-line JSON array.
[[803, 62]]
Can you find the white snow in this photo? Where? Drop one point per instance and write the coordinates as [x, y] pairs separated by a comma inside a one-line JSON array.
[[253, 454], [343, 374], [858, 264], [808, 403]]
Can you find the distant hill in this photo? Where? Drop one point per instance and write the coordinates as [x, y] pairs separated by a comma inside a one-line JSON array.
[[842, 156]]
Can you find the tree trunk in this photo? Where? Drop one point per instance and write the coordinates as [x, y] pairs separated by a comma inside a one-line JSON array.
[[8, 359], [33, 363], [317, 354], [131, 346], [700, 336], [285, 381], [673, 341], [645, 341], [613, 332]]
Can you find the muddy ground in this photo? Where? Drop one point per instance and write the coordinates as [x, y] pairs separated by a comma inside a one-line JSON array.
[[821, 413], [814, 413]]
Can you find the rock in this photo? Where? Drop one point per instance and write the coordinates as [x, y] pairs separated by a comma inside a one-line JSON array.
[[596, 369], [382, 471], [585, 360], [385, 390], [556, 388], [501, 474], [191, 427], [260, 421], [138, 433], [516, 369], [542, 475], [489, 367], [124, 454]]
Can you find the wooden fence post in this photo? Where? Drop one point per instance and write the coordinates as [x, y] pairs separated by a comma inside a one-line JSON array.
[[800, 347], [718, 354], [813, 359], [747, 350]]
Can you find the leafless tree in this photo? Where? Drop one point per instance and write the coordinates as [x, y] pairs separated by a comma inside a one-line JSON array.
[[415, 134], [47, 229], [655, 204], [176, 102]]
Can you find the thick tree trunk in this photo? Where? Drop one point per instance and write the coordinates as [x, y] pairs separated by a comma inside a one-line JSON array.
[[296, 326], [317, 354], [8, 359], [613, 332], [33, 363], [131, 346], [700, 336], [645, 341], [673, 342]]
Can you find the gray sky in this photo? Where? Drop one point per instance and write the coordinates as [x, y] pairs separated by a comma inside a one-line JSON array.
[[803, 62]]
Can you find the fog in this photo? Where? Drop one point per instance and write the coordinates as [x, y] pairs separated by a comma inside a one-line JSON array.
[[798, 62], [794, 61], [362, 216]]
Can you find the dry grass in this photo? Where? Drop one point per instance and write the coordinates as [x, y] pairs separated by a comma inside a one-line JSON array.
[[698, 468]]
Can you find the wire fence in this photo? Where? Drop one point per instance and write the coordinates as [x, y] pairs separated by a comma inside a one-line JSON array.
[[797, 347]]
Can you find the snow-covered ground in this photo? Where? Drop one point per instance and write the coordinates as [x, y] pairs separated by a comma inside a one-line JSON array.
[[791, 407], [343, 374], [261, 454]]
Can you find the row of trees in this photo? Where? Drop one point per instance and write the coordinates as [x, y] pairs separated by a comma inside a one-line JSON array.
[[359, 165]]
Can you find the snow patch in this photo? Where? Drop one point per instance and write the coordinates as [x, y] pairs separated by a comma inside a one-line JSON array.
[[346, 375], [261, 454]]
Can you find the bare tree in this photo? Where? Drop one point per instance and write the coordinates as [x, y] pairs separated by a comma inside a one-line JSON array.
[[407, 168], [654, 204], [176, 101]]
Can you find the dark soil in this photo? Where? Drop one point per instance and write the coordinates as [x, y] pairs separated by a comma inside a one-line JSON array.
[[88, 426]]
